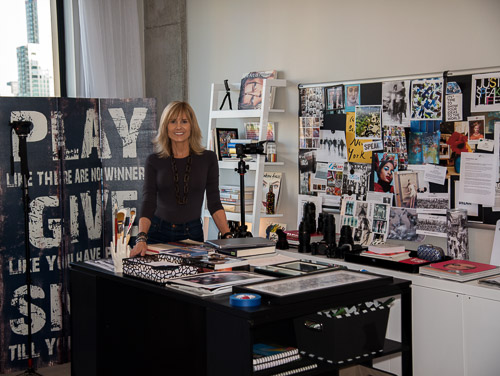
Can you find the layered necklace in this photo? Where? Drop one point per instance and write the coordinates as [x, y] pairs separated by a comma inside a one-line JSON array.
[[183, 200]]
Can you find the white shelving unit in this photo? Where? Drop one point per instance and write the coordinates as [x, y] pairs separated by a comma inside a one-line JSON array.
[[258, 166]]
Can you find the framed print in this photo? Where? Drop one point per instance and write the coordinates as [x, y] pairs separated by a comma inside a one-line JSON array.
[[309, 286], [214, 280], [334, 98], [406, 188], [224, 136]]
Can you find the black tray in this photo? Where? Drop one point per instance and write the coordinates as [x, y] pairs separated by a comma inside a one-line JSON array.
[[387, 264]]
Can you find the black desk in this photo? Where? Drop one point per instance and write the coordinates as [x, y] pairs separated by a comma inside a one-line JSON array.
[[124, 326]]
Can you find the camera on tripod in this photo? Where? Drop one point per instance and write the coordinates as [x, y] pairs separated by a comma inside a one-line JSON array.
[[251, 148]]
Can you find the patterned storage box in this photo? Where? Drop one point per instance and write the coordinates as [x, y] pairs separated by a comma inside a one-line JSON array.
[[145, 268]]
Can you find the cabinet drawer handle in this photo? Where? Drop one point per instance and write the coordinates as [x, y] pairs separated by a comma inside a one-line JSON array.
[[313, 325]]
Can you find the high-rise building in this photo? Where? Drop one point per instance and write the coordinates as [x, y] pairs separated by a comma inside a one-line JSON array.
[[32, 21], [34, 81]]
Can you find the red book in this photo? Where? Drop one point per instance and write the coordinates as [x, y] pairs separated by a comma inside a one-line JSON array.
[[462, 266], [414, 261], [460, 270]]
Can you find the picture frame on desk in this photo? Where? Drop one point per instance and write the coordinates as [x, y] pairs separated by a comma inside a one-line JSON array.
[[224, 136], [298, 288]]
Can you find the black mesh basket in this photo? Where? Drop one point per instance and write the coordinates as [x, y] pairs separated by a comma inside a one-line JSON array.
[[143, 268], [343, 338]]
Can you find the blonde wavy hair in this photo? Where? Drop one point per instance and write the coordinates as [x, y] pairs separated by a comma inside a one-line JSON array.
[[163, 144]]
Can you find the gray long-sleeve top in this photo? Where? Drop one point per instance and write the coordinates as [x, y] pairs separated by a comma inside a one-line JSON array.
[[159, 198]]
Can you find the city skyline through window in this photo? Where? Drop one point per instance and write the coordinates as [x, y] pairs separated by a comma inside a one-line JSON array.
[[26, 69]]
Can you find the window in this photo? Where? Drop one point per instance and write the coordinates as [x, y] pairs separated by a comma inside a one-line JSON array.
[[26, 47]]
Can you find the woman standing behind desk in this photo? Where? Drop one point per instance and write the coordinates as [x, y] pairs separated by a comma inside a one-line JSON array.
[[176, 178]]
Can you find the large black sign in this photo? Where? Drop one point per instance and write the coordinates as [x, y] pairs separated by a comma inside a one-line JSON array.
[[85, 156]]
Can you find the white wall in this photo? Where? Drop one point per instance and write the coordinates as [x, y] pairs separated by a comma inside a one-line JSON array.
[[329, 40]]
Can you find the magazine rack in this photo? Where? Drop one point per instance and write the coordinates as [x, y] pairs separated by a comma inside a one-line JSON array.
[[258, 165]]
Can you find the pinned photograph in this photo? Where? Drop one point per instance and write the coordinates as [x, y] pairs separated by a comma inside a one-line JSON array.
[[309, 133], [332, 146], [334, 98], [395, 142], [334, 179], [312, 103], [433, 203], [403, 225], [434, 225], [384, 166], [476, 129], [406, 188], [356, 179], [368, 124], [352, 97], [395, 109], [423, 147], [427, 99]]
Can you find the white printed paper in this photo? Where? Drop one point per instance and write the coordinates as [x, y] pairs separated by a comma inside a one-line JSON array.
[[478, 176], [472, 209], [435, 174], [486, 145], [454, 107]]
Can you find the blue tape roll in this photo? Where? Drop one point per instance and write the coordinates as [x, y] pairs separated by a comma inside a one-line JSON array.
[[244, 300]]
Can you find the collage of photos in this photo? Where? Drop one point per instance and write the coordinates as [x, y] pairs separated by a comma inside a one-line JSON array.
[[368, 220], [312, 102], [309, 137], [396, 143]]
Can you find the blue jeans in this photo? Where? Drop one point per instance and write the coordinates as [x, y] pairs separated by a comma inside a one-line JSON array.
[[164, 232]]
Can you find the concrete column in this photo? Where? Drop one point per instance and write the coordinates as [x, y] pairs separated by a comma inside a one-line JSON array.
[[165, 51]]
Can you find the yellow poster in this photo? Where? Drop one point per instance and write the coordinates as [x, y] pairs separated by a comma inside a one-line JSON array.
[[355, 152]]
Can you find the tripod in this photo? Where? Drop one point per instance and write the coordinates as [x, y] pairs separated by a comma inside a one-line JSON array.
[[241, 231], [22, 129], [241, 151]]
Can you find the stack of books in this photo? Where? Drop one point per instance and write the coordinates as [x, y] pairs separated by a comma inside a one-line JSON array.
[[243, 247], [269, 359], [391, 252], [230, 197], [460, 270]]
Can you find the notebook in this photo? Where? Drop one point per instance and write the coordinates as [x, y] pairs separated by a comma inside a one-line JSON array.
[[239, 243]]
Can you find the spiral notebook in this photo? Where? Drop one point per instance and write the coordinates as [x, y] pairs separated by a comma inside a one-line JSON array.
[[263, 353]]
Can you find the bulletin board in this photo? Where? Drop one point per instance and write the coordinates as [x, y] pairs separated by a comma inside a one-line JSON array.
[[351, 128]]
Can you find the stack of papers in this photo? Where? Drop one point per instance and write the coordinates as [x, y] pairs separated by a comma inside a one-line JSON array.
[[394, 252]]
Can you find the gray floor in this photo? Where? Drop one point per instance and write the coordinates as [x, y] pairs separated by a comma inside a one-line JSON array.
[[58, 370]]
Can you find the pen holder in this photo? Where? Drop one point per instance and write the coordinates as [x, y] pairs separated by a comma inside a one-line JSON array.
[[118, 253]]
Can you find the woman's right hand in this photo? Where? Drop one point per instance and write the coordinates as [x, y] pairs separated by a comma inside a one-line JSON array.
[[139, 249]]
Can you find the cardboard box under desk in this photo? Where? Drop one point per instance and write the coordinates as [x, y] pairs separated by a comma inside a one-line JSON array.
[[343, 338]]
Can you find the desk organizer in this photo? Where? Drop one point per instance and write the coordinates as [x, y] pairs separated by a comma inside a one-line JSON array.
[[343, 338], [140, 267]]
